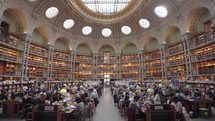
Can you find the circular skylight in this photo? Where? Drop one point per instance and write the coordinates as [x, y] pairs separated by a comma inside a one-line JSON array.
[[69, 23], [51, 12], [106, 32], [144, 23], [161, 11], [87, 30], [126, 30]]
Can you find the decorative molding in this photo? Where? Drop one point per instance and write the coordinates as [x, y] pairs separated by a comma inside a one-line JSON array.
[[158, 31], [95, 43], [33, 18], [180, 18], [54, 31], [117, 42]]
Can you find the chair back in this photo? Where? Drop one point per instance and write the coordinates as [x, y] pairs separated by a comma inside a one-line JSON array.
[[131, 114]]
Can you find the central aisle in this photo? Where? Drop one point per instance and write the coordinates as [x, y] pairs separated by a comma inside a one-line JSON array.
[[106, 111]]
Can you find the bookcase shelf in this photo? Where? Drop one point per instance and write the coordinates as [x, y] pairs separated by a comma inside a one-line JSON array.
[[129, 58], [37, 50], [61, 55], [152, 64], [175, 49], [61, 65], [153, 74], [151, 55], [83, 59], [36, 72], [7, 54], [176, 60]]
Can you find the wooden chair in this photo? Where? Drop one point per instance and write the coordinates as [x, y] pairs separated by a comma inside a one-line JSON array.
[[161, 112], [202, 103], [132, 115], [89, 112]]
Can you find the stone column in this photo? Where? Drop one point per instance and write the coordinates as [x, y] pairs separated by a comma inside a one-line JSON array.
[[95, 67], [118, 67], [27, 40], [163, 62], [140, 58], [50, 59], [185, 39], [72, 65]]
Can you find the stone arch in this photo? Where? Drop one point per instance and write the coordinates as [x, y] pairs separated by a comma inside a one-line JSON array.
[[40, 35], [172, 34], [16, 19], [129, 48], [150, 43], [84, 48], [63, 43], [194, 17], [106, 47]]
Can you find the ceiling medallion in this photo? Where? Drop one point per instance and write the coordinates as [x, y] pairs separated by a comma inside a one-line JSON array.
[[81, 9]]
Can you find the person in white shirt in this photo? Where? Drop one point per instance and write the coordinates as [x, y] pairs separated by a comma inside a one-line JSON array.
[[156, 98], [177, 104]]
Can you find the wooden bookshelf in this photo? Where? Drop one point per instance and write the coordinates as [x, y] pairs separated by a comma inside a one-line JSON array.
[[152, 65], [153, 74], [176, 72], [7, 54], [151, 55], [204, 53], [130, 67], [37, 61], [60, 74], [36, 72], [37, 49], [174, 49], [83, 67], [61, 65], [176, 60]]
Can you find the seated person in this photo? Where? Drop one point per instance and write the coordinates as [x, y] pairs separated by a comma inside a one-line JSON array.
[[126, 101], [80, 104], [136, 105], [178, 106], [156, 98], [41, 100]]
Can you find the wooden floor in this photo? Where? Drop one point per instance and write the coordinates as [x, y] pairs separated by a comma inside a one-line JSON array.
[[106, 111]]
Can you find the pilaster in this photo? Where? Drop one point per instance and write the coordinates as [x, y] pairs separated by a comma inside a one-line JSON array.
[[27, 40], [163, 62]]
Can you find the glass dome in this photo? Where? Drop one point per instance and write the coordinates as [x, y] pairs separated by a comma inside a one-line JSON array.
[[106, 7]]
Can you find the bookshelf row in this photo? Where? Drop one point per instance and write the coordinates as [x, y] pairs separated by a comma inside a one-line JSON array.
[[150, 64]]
